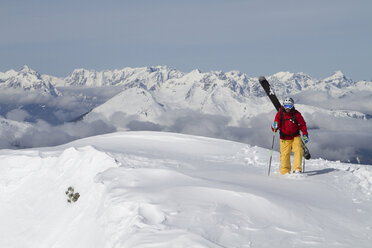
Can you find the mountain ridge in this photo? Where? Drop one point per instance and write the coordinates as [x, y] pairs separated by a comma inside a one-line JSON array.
[[160, 74], [28, 80]]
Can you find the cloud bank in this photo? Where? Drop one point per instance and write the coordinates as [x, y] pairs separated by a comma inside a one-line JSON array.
[[333, 138]]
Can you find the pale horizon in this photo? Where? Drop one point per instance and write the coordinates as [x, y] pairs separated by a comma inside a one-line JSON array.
[[253, 37]]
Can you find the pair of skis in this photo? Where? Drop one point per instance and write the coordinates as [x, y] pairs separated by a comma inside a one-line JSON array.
[[271, 94]]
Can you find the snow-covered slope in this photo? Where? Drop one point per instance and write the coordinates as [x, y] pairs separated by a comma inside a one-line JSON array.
[[145, 106], [146, 189]]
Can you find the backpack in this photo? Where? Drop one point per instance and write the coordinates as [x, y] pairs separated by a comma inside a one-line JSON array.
[[293, 119]]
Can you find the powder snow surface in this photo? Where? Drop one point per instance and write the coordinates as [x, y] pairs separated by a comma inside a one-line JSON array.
[[147, 189]]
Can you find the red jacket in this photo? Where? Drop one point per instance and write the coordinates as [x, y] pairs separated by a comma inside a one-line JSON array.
[[288, 126]]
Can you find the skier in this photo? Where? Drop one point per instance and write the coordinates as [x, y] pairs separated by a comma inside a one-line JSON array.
[[289, 121]]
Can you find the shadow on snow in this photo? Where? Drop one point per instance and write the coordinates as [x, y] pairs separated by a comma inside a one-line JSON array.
[[319, 172]]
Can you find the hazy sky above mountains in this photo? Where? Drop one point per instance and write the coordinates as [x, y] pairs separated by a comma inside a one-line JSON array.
[[254, 37]]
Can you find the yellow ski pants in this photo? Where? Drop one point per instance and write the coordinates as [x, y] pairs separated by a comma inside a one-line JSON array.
[[285, 154]]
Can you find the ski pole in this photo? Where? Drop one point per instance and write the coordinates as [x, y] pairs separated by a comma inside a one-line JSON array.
[[271, 153], [303, 164]]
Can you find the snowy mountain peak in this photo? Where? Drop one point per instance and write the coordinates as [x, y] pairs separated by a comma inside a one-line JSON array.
[[26, 69], [157, 68], [339, 80], [338, 74], [286, 83], [284, 76], [5, 75], [196, 71], [29, 80], [81, 71]]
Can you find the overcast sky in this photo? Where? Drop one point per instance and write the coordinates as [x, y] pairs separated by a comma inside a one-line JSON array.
[[256, 37]]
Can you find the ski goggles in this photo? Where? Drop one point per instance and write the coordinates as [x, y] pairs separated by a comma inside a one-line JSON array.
[[288, 106]]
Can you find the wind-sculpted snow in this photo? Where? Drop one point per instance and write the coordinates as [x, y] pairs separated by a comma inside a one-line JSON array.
[[148, 189], [34, 203]]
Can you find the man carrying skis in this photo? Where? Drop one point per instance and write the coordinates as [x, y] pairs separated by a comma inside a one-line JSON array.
[[289, 121]]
